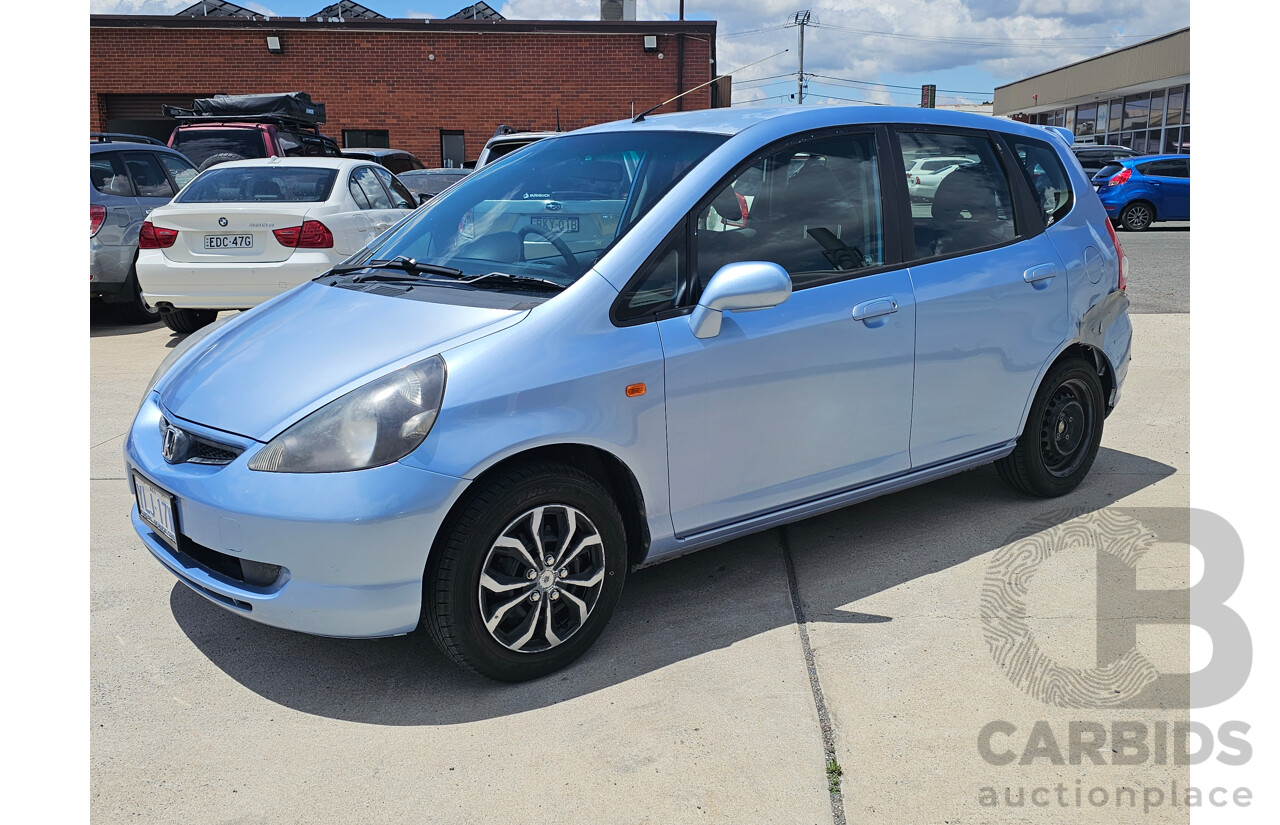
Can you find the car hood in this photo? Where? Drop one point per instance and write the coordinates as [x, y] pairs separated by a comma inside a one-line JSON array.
[[292, 355]]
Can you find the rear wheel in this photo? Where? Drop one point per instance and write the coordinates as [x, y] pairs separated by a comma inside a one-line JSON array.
[[188, 320], [530, 570], [1137, 216], [1062, 433], [136, 311]]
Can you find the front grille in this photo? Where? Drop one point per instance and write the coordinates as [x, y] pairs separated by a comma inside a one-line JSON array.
[[204, 451], [180, 446]]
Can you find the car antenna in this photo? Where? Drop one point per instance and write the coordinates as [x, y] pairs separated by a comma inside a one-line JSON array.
[[557, 118], [640, 116]]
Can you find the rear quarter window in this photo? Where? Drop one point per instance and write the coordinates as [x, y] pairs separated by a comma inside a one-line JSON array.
[[1047, 176]]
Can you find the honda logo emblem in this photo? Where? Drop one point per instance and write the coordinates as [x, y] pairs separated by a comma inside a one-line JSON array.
[[174, 447]]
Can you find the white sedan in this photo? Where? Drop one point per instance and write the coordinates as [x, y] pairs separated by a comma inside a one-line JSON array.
[[245, 231]]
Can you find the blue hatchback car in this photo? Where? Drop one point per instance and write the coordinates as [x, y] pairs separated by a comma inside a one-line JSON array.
[[625, 343], [1140, 191]]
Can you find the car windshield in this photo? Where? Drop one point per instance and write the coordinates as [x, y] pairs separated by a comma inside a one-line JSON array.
[[550, 211], [201, 144], [260, 184]]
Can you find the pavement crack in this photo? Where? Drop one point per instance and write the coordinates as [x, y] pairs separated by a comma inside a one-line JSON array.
[[832, 769], [108, 441]]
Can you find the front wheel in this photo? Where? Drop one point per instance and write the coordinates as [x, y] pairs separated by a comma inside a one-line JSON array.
[[528, 573], [1062, 433], [188, 320]]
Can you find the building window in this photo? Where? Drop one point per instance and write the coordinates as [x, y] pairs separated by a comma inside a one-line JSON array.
[[452, 148], [366, 139], [1137, 108]]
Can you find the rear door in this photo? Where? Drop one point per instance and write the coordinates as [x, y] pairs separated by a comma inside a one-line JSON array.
[[117, 238], [1170, 182], [379, 209], [991, 300]]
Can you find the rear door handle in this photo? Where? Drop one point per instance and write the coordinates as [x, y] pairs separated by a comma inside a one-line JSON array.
[[874, 308], [1043, 272]]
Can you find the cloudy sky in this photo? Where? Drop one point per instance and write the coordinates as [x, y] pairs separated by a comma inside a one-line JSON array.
[[877, 52]]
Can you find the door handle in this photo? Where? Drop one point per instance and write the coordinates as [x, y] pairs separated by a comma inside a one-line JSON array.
[[1043, 272], [874, 308]]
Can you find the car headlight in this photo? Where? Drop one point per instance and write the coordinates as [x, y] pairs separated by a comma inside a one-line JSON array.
[[376, 424]]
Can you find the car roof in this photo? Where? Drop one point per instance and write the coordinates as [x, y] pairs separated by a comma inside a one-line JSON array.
[[520, 137], [439, 170], [1145, 158], [376, 153], [1084, 147], [130, 146], [732, 121], [314, 163]]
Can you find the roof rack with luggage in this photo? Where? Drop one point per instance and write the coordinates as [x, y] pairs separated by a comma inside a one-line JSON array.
[[293, 108]]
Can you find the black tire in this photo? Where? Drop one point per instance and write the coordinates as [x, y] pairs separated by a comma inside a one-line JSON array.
[[1064, 428], [476, 541], [188, 320], [136, 310], [221, 157], [1138, 216]]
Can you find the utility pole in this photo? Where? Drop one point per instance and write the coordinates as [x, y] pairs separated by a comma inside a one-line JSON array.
[[800, 19]]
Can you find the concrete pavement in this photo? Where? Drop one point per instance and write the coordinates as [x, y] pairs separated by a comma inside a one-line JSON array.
[[695, 706]]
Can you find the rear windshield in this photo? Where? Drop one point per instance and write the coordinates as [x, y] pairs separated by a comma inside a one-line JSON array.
[[201, 144], [260, 184], [1108, 170]]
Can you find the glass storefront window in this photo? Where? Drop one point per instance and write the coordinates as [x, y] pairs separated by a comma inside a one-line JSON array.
[[1101, 127], [1171, 140], [1070, 121], [1176, 98], [1086, 120], [1184, 146], [1117, 109], [1136, 111], [1157, 110], [1153, 141], [1186, 106]]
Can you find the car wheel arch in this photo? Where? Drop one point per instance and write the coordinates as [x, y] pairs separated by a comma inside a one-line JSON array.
[[602, 465], [1069, 351]]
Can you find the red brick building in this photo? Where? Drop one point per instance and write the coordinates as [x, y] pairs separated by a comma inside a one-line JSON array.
[[415, 80]]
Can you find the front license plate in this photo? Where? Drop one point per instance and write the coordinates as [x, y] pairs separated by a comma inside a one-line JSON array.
[[157, 508], [228, 242], [556, 225]]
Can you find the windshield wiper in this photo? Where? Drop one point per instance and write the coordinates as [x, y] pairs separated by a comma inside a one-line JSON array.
[[520, 280], [400, 262]]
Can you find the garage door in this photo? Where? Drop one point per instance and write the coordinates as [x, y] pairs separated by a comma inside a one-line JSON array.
[[140, 114]]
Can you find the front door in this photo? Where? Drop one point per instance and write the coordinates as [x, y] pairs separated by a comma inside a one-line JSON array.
[[810, 397]]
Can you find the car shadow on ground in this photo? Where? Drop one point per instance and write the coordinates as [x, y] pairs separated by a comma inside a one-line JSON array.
[[669, 613]]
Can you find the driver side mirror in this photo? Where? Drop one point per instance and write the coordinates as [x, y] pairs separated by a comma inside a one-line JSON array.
[[739, 287]]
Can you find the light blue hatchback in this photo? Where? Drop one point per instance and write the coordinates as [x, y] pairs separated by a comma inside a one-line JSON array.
[[623, 344]]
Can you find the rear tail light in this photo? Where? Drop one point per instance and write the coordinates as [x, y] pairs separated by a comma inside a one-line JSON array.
[[1122, 279], [1120, 177], [97, 214], [156, 237], [311, 235]]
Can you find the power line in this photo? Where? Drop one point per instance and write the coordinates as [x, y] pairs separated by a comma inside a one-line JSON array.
[[983, 41], [900, 86]]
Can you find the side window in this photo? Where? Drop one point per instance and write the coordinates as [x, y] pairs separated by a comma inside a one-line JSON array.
[[107, 174], [1047, 176], [814, 209], [401, 198], [367, 179], [289, 144], [965, 205], [661, 286], [1168, 169], [357, 194], [181, 171], [148, 178]]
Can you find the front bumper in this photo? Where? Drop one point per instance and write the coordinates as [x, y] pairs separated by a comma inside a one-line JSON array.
[[352, 546]]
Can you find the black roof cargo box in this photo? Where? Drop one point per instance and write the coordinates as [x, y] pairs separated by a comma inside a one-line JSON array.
[[296, 107]]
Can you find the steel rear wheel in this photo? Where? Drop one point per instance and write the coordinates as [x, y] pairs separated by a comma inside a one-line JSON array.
[[1063, 432], [527, 572]]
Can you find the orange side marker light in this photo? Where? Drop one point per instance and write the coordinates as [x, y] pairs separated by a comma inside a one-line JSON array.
[[634, 390]]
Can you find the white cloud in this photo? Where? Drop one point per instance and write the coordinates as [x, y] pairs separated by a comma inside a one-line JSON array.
[[1008, 40]]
